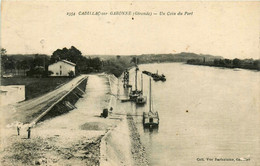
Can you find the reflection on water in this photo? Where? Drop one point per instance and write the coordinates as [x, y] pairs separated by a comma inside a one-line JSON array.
[[204, 112], [151, 130]]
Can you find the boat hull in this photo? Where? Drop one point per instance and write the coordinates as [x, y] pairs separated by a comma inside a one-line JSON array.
[[150, 120], [134, 94], [141, 100]]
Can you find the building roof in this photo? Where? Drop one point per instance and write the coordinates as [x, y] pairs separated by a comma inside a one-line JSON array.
[[65, 61], [68, 62]]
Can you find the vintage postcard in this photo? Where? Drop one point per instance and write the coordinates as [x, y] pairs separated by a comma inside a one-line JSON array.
[[112, 83]]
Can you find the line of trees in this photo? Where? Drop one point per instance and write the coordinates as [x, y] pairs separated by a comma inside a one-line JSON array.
[[12, 64], [38, 64], [229, 63]]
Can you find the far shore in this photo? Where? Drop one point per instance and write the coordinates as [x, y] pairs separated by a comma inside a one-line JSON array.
[[248, 64]]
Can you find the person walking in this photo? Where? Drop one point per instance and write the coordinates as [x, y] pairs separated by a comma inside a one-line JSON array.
[[29, 132], [18, 130]]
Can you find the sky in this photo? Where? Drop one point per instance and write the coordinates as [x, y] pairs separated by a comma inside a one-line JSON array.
[[228, 29]]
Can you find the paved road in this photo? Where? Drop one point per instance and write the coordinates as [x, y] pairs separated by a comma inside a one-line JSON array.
[[25, 111]]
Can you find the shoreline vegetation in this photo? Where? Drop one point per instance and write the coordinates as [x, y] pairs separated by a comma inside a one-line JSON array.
[[249, 64]]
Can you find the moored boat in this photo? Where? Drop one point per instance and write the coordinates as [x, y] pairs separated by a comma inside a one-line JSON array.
[[141, 99], [156, 76], [150, 118], [135, 93]]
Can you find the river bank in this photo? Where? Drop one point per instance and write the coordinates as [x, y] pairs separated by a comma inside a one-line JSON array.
[[248, 64], [79, 137]]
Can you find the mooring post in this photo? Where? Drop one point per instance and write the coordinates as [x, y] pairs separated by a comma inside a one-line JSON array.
[[29, 132]]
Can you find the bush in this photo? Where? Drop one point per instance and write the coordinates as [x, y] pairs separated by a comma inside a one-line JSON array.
[[71, 74]]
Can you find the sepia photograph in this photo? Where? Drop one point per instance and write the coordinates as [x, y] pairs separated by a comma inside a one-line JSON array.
[[130, 83]]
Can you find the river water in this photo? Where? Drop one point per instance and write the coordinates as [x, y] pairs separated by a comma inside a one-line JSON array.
[[205, 112]]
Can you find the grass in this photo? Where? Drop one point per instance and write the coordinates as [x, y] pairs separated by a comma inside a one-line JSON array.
[[35, 86], [23, 152], [48, 151]]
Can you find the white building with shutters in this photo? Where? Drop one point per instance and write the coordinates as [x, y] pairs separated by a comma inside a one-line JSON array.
[[62, 68]]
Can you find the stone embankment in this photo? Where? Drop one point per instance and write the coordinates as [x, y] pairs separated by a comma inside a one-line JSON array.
[[137, 149], [122, 145]]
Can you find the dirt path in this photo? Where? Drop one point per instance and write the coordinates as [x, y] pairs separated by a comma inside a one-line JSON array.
[[72, 138]]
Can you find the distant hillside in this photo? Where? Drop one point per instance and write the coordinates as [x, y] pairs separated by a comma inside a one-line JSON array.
[[20, 57], [180, 57], [151, 58], [144, 58]]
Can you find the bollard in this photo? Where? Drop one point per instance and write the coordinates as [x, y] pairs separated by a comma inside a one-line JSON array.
[[111, 109], [29, 132], [105, 113]]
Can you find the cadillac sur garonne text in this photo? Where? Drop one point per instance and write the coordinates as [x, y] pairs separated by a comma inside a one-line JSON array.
[[98, 13], [112, 13]]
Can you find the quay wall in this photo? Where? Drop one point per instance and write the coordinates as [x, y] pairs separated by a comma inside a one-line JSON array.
[[123, 145], [115, 146]]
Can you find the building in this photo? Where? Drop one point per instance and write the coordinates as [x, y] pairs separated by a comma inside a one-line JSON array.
[[12, 94], [62, 68]]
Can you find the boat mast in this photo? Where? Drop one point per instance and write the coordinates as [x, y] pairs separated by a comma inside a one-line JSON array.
[[150, 102], [136, 79], [136, 74], [142, 83]]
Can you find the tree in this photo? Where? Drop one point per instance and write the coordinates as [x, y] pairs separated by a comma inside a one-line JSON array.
[[3, 51], [4, 59], [72, 54], [71, 74], [256, 63], [134, 60], [25, 64], [10, 64], [236, 62], [227, 61], [38, 61], [96, 64], [216, 62]]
